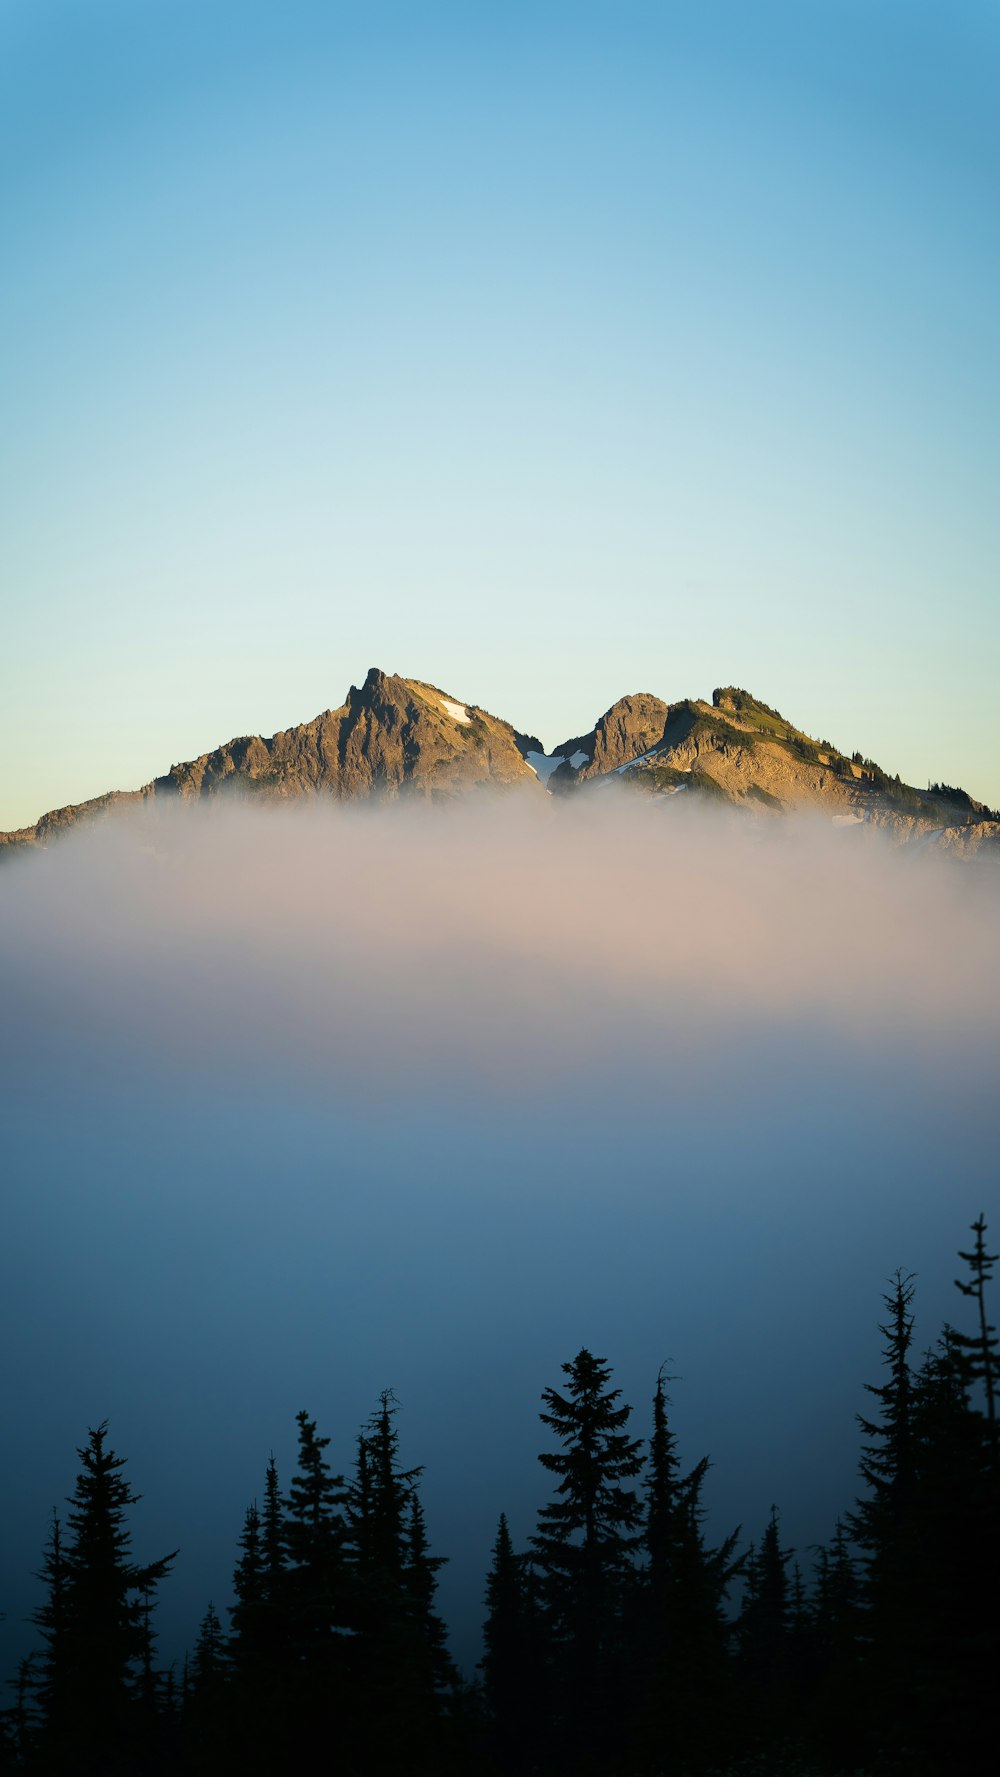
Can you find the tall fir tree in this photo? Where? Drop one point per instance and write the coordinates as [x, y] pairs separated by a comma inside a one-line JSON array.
[[207, 1737], [679, 1630], [512, 1662], [397, 1666], [421, 1569], [318, 1591], [249, 1582], [585, 1550], [979, 1349], [885, 1524], [888, 1463], [210, 1660], [95, 1662], [836, 1641], [315, 1535], [260, 1643], [272, 1532], [764, 1624], [53, 1676]]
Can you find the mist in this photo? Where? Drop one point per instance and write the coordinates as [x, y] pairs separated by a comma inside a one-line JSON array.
[[303, 1102]]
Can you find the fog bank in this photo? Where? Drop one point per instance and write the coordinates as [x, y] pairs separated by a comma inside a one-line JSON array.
[[300, 1103]]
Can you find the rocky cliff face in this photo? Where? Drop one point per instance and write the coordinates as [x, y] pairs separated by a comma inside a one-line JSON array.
[[739, 750], [628, 729], [401, 737], [392, 737]]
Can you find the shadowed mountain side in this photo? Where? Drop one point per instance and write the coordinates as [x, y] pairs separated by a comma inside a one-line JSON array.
[[393, 736]]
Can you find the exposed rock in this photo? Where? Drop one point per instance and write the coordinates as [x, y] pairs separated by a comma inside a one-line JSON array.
[[396, 737], [392, 737], [630, 728]]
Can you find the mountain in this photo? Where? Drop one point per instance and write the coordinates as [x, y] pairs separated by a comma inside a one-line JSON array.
[[397, 736], [741, 751], [393, 735]]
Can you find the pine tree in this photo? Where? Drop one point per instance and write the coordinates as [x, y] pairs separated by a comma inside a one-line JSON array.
[[886, 1526], [661, 1490], [53, 1678], [94, 1635], [767, 1672], [315, 1533], [149, 1686], [765, 1619], [318, 1597], [397, 1665], [207, 1734], [388, 1489], [261, 1651], [511, 1663], [836, 1617], [954, 1542], [249, 1580], [272, 1532], [679, 1630], [421, 1569], [210, 1660], [773, 1592], [980, 1348], [888, 1465], [585, 1547]]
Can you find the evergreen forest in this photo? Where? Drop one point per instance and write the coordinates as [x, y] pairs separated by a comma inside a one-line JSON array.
[[619, 1642]]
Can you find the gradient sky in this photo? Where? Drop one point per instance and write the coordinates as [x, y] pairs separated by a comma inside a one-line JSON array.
[[546, 351]]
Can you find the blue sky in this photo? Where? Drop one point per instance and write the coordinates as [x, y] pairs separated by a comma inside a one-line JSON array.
[[546, 351]]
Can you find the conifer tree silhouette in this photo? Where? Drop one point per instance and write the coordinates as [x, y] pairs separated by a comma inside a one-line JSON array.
[[513, 1657], [399, 1651], [315, 1533], [888, 1464], [584, 1549], [94, 1660], [606, 1650], [248, 1645], [678, 1629], [52, 1676], [272, 1531], [980, 1348]]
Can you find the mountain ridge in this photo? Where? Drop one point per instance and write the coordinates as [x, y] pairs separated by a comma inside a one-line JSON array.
[[395, 736]]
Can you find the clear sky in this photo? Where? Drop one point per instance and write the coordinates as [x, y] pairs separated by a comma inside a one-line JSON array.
[[548, 351]]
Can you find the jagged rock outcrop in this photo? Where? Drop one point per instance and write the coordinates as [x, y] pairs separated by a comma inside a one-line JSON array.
[[392, 737], [401, 737], [630, 728], [741, 751]]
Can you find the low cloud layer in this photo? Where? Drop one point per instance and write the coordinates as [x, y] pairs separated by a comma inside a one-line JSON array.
[[299, 1103], [499, 946]]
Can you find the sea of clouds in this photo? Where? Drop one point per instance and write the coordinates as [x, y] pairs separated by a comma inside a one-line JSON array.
[[498, 945], [301, 1102]]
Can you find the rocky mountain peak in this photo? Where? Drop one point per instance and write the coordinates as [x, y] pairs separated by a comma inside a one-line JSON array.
[[633, 726], [398, 737]]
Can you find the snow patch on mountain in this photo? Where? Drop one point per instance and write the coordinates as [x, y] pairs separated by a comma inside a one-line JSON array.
[[457, 711]]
